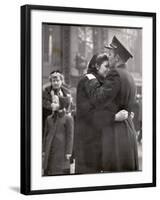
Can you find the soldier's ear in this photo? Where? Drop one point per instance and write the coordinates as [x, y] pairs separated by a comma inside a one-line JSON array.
[[97, 67], [116, 58]]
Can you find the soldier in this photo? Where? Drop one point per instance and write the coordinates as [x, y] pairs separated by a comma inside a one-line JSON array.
[[116, 93]]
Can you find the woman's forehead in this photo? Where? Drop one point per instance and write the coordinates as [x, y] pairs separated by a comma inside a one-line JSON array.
[[55, 78], [56, 75]]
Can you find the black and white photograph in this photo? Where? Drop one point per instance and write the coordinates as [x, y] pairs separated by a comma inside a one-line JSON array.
[[92, 99], [80, 100], [88, 87]]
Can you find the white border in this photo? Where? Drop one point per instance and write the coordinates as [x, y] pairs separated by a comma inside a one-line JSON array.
[[42, 183]]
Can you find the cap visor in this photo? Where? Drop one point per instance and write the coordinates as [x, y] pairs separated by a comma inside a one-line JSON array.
[[107, 47]]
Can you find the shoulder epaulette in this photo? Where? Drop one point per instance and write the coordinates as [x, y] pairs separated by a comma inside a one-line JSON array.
[[90, 76]]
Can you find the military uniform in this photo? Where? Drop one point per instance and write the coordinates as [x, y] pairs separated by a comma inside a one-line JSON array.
[[118, 92], [119, 146]]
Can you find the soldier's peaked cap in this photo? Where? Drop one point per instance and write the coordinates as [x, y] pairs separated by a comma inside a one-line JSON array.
[[120, 49]]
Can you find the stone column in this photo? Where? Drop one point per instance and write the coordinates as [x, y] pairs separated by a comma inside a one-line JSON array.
[[66, 53]]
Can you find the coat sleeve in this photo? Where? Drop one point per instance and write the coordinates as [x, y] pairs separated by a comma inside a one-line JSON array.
[[105, 93], [46, 102], [69, 128], [45, 135]]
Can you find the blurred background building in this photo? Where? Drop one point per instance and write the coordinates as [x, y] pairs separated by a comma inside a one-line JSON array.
[[69, 49]]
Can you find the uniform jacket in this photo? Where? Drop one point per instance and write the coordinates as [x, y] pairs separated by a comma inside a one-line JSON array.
[[119, 147]]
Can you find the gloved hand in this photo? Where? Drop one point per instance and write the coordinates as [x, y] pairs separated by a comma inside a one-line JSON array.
[[121, 115]]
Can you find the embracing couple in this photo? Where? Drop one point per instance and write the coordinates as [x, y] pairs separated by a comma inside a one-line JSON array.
[[105, 138]]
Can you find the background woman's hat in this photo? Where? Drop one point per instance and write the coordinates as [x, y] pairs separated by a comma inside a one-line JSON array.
[[119, 49]]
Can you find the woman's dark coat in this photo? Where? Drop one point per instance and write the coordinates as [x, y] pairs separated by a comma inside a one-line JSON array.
[[58, 141], [58, 133], [87, 138]]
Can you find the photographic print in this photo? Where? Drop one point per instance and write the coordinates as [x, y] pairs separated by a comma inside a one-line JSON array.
[[67, 51], [88, 99]]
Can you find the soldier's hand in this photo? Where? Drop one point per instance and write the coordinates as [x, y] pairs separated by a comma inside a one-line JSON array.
[[132, 115], [121, 115], [68, 156]]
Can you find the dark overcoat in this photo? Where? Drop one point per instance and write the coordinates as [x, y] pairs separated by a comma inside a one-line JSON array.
[[87, 138], [58, 141], [47, 100], [119, 145]]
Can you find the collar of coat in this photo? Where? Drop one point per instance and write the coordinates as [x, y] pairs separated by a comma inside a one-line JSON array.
[[59, 113], [122, 66], [64, 90]]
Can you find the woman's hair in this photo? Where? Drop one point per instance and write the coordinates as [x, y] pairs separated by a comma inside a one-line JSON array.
[[97, 59], [56, 73]]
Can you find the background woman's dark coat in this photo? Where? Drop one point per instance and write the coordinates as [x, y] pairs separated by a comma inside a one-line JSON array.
[[58, 141], [47, 100]]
